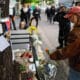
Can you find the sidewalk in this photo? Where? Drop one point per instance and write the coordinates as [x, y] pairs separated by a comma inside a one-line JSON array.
[[49, 36]]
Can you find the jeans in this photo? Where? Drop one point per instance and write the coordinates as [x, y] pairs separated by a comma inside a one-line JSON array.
[[74, 75]]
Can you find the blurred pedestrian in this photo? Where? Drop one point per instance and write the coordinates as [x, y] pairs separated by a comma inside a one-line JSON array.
[[12, 17], [47, 12], [36, 15], [52, 14], [12, 13], [25, 14], [72, 50], [29, 13], [64, 26]]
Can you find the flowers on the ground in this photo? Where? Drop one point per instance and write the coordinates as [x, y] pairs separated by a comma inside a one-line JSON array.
[[32, 29]]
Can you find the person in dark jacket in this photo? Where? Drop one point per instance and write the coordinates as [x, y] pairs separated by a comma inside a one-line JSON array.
[[52, 13], [47, 12], [25, 14], [64, 26], [29, 13], [72, 50], [36, 15]]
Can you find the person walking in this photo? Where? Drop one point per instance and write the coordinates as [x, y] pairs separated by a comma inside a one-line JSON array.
[[72, 50], [12, 13], [25, 14], [29, 13], [12, 17], [36, 15], [64, 26]]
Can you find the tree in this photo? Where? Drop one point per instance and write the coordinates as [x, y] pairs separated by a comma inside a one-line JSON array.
[[30, 1], [6, 72], [35, 1], [49, 1], [4, 5]]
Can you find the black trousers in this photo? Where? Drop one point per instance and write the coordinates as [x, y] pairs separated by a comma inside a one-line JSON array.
[[52, 18], [36, 19], [24, 19], [13, 22], [63, 35]]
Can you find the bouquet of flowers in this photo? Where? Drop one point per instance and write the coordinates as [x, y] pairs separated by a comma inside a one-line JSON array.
[[32, 29]]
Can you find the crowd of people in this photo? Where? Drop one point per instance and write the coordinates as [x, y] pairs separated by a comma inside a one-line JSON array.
[[27, 15]]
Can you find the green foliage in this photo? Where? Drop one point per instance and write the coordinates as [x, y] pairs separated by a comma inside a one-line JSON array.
[[50, 1], [35, 1], [26, 1], [22, 68], [30, 1]]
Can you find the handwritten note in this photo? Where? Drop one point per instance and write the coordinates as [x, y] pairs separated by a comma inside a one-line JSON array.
[[3, 43]]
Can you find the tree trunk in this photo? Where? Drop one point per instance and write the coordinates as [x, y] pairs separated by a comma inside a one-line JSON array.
[[6, 64], [6, 69], [4, 5]]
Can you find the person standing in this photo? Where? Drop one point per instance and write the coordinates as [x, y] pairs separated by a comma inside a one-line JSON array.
[[29, 13], [64, 27], [52, 13], [47, 12], [25, 14], [12, 13], [72, 50]]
